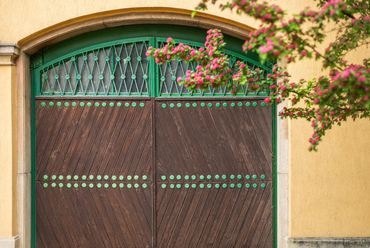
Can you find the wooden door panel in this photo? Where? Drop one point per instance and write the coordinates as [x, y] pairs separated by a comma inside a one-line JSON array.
[[93, 173]]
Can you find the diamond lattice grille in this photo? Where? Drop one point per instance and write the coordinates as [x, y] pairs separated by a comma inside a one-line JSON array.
[[113, 70]]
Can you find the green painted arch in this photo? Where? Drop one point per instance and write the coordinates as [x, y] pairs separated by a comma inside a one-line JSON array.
[[58, 70]]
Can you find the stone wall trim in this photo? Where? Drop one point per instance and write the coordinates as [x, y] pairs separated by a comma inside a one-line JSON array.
[[328, 242]]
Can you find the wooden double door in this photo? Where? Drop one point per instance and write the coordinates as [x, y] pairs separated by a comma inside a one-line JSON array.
[[153, 173]]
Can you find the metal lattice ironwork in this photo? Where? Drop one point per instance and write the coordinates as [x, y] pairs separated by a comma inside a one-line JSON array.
[[170, 71], [122, 69], [111, 70]]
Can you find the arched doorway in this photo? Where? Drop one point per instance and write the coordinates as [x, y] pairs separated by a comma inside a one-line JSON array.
[[127, 158]]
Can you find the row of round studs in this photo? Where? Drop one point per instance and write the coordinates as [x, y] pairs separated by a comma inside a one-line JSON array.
[[89, 104], [240, 104], [91, 177], [217, 185], [209, 177], [98, 185]]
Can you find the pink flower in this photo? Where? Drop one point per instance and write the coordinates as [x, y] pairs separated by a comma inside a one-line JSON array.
[[346, 73], [361, 79], [169, 39], [179, 79], [267, 100], [316, 100], [282, 87], [303, 53], [268, 75]]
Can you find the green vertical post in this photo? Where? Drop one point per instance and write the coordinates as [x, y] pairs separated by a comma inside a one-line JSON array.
[[153, 73]]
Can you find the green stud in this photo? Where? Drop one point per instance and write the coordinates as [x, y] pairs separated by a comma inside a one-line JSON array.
[[224, 177], [201, 177], [172, 105], [217, 185], [202, 104], [179, 105], [240, 177], [69, 185], [99, 177], [240, 104], [248, 104], [51, 104], [144, 185], [263, 185], [88, 104], [53, 177], [98, 185], [142, 104], [195, 105], [247, 177], [218, 105], [178, 177], [224, 104], [111, 104], [210, 105], [186, 177], [75, 177], [178, 186], [74, 104], [145, 177], [129, 178], [201, 185], [84, 177], [136, 185], [114, 177], [224, 185], [209, 177], [129, 186], [45, 185], [83, 185], [247, 185], [255, 185], [209, 186], [136, 177], [43, 104], [263, 176], [187, 105], [53, 185], [91, 185], [82, 104], [163, 177], [133, 104], [106, 177], [217, 177], [120, 177], [193, 177], [263, 104], [163, 186], [69, 177], [187, 186], [239, 185], [66, 104], [104, 104], [114, 185], [59, 104], [172, 186], [91, 177], [75, 185], [96, 104], [119, 104], [232, 104], [255, 104], [61, 177], [127, 105], [164, 105], [172, 177], [232, 185], [254, 177], [45, 177], [121, 185], [232, 177], [193, 185]]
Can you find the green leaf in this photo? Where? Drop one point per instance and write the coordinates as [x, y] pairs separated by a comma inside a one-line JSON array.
[[193, 14]]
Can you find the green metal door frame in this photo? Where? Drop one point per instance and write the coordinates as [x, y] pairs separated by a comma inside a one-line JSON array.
[[112, 36]]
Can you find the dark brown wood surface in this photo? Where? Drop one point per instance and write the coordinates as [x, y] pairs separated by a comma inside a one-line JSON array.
[[114, 141]]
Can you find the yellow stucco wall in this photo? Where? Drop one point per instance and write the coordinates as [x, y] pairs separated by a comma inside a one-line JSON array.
[[328, 191]]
